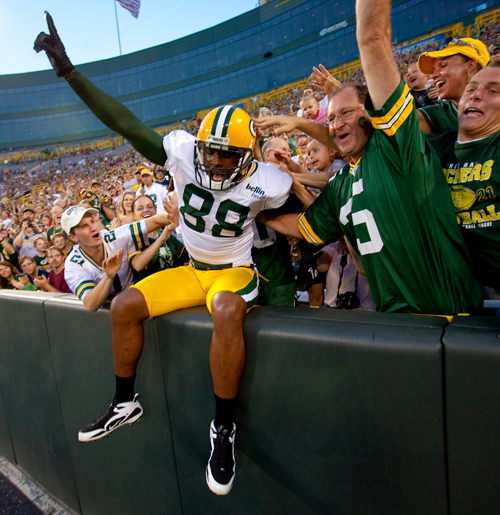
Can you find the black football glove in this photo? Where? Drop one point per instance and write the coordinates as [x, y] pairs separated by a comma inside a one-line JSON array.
[[54, 48], [307, 275]]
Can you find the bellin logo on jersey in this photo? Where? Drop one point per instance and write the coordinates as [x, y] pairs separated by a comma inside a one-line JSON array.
[[257, 192]]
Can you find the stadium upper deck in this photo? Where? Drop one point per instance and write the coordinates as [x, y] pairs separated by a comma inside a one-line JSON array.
[[269, 46]]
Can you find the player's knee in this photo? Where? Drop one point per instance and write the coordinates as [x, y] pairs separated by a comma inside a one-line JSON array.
[[129, 305], [228, 307]]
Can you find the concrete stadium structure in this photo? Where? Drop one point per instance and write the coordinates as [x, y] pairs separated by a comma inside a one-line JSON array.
[[269, 46]]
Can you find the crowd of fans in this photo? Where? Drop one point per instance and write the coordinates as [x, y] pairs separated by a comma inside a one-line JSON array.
[[352, 183], [117, 183]]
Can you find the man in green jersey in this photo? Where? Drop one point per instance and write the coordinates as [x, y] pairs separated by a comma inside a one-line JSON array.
[[452, 66], [392, 201], [470, 163]]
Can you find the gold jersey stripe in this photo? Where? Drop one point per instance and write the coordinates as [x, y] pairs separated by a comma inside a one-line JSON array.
[[87, 285], [396, 116], [306, 230], [394, 109], [404, 116]]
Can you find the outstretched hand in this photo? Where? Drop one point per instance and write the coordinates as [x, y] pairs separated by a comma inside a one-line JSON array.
[[278, 124], [323, 80], [113, 263], [53, 46], [172, 208]]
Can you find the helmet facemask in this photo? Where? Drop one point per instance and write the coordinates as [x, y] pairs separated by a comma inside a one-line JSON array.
[[229, 176]]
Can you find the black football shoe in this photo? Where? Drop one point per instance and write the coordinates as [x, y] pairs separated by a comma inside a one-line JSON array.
[[221, 467], [117, 415]]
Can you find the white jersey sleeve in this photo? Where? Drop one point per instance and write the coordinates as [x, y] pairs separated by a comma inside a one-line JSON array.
[[82, 273], [179, 147]]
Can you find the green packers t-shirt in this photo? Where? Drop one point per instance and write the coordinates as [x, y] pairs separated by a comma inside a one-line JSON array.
[[441, 117], [42, 263], [395, 208], [52, 230], [473, 175]]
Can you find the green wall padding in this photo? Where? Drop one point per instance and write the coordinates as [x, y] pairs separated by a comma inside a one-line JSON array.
[[6, 449], [472, 371], [133, 470], [339, 412], [31, 397]]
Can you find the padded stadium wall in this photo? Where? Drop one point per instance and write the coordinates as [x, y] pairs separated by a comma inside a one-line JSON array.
[[267, 47], [339, 412]]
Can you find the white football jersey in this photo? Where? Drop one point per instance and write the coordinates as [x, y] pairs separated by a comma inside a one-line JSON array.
[[217, 225], [82, 273], [158, 193]]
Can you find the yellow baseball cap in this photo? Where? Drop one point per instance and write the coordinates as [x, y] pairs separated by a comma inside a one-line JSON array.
[[145, 171], [469, 47]]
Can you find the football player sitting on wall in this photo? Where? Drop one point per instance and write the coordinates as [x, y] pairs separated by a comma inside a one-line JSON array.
[[220, 189]]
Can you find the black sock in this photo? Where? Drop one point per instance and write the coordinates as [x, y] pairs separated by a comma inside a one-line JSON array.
[[124, 389], [225, 410]]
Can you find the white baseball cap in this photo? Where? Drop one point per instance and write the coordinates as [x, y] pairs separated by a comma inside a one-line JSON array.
[[73, 215]]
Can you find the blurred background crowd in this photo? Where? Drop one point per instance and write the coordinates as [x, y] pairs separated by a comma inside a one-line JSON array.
[[35, 190]]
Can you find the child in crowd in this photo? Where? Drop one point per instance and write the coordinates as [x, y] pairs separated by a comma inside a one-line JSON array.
[[61, 241], [55, 282], [41, 246], [311, 109]]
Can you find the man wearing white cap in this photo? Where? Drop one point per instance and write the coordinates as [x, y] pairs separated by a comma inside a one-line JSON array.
[[156, 191], [98, 262], [452, 66]]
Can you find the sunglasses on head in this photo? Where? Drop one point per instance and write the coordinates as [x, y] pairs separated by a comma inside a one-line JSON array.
[[455, 41]]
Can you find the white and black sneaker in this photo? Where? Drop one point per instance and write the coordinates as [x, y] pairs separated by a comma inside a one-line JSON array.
[[114, 417], [221, 467]]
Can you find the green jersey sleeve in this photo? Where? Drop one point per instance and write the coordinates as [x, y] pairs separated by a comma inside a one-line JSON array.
[[441, 117]]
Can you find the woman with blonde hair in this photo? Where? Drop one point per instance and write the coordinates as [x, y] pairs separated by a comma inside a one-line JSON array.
[[164, 250], [124, 214]]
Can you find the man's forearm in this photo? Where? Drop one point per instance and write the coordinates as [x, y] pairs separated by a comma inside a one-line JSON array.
[[157, 221], [48, 287], [285, 224], [294, 167], [373, 34], [96, 297], [119, 118], [314, 180], [302, 194], [18, 240], [317, 131]]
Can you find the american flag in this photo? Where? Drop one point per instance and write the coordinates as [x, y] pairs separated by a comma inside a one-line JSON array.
[[132, 6]]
